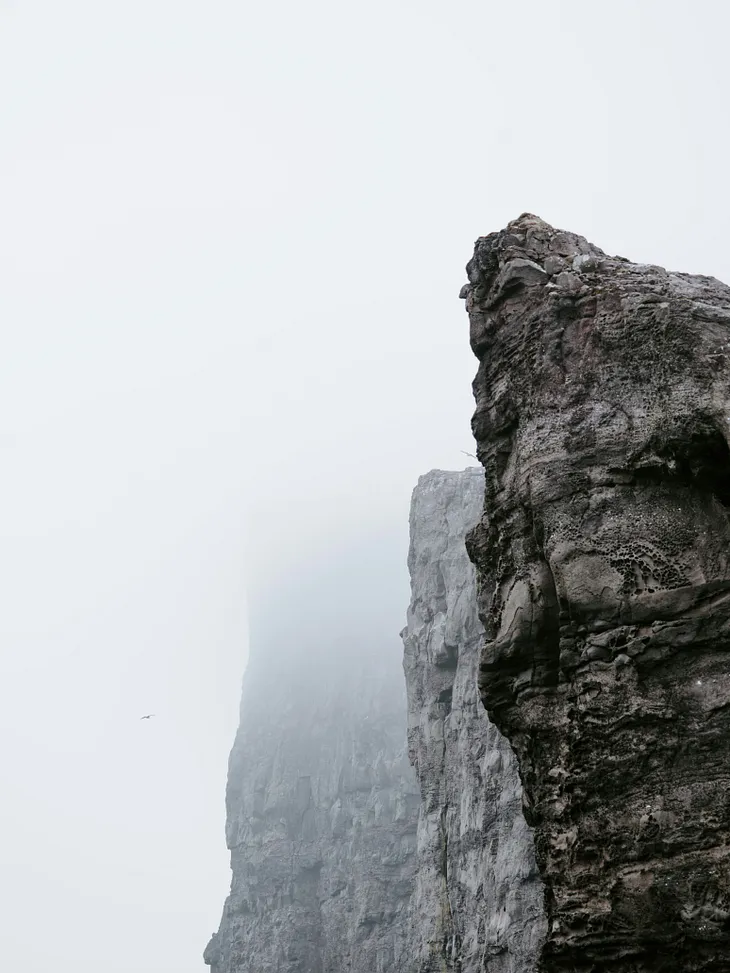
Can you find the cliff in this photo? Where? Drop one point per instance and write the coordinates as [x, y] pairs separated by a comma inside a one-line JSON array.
[[478, 903], [602, 421], [321, 820], [342, 860]]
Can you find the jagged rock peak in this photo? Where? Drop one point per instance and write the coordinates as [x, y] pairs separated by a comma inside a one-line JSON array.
[[478, 901], [603, 554]]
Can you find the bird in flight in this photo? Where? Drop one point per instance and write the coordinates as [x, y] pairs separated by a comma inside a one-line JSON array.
[[468, 454], [148, 717]]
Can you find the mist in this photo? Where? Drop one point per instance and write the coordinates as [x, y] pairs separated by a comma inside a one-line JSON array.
[[232, 241]]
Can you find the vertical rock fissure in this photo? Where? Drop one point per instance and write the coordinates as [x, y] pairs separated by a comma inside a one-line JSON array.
[[449, 929]]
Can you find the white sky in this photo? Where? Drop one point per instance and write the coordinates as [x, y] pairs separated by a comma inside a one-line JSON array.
[[232, 236]]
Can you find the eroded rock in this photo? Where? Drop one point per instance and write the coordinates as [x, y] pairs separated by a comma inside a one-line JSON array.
[[602, 421]]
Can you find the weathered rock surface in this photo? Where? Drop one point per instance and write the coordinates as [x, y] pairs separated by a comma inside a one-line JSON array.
[[478, 902], [602, 421], [322, 808]]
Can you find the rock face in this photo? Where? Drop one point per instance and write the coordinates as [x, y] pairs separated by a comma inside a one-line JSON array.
[[321, 821], [602, 421], [478, 902]]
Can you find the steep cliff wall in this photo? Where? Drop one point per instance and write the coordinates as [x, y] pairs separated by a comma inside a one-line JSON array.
[[602, 420], [321, 819], [478, 903]]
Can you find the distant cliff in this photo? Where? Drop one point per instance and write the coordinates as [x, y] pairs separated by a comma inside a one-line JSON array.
[[321, 822], [478, 901], [603, 553], [343, 860]]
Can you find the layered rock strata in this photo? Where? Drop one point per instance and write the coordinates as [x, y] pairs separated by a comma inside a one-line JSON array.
[[478, 902], [321, 820], [602, 421]]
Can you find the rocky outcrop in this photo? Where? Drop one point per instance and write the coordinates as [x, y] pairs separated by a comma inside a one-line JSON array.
[[321, 819], [478, 903], [602, 421]]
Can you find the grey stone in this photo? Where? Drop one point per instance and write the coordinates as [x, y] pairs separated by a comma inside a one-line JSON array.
[[520, 272], [568, 282], [554, 264], [584, 261], [478, 903]]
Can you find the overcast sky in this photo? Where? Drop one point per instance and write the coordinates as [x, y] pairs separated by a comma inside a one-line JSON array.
[[232, 236]]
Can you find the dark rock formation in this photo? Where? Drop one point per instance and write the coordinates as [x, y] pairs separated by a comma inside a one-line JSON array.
[[321, 820], [602, 420], [478, 903]]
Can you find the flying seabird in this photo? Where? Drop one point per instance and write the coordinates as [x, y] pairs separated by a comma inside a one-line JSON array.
[[148, 717]]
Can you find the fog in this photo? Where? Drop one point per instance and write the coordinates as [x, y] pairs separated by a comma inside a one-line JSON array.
[[232, 240]]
